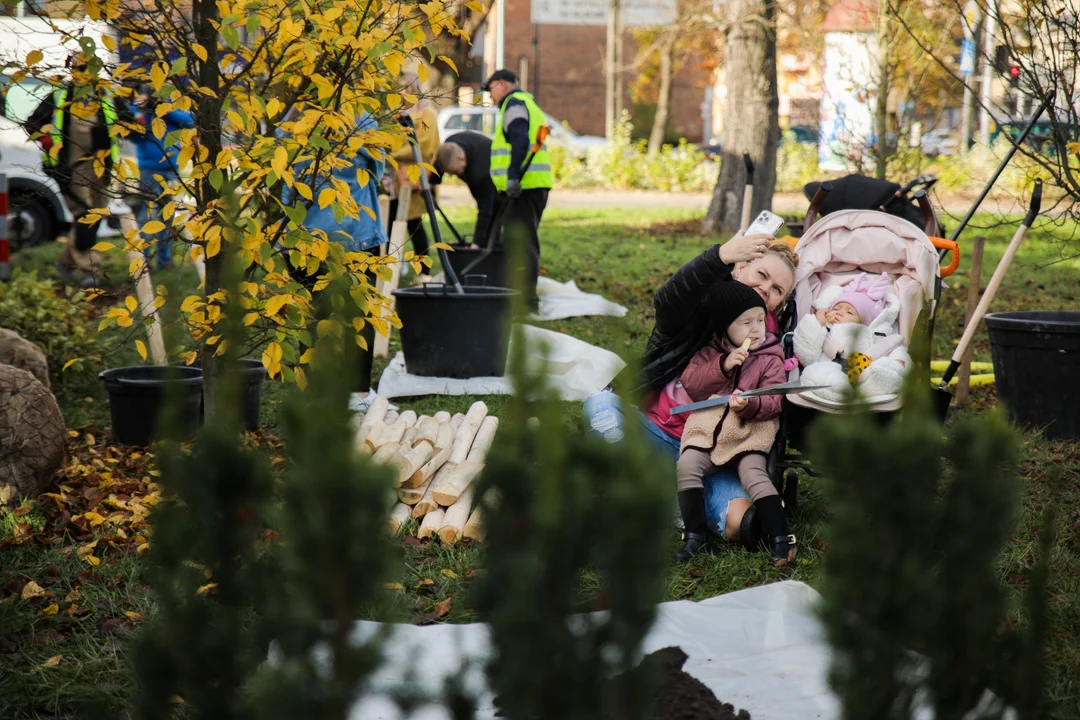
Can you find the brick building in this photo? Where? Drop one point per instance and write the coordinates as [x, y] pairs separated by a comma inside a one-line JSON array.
[[563, 67]]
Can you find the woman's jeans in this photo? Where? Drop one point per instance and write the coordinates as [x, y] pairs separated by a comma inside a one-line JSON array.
[[721, 487], [150, 207]]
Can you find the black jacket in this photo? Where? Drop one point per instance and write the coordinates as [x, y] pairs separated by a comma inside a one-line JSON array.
[[682, 323], [478, 178]]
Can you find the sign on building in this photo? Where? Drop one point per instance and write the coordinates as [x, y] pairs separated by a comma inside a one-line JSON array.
[[635, 13]]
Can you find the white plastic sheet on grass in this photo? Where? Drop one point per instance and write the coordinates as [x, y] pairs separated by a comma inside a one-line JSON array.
[[760, 649], [575, 369], [561, 300], [565, 300]]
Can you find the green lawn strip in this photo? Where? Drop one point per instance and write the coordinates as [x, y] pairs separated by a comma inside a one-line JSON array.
[[617, 254]]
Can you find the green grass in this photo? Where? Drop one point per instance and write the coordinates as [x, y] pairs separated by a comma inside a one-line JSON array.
[[624, 255]]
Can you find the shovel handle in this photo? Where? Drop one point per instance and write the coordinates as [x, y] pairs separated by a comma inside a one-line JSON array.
[[994, 284]]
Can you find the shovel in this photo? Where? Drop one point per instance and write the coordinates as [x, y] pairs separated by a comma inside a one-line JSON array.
[[496, 225], [781, 389], [748, 193], [942, 396], [429, 201]]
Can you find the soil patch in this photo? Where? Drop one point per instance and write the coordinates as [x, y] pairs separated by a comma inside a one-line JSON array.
[[681, 696]]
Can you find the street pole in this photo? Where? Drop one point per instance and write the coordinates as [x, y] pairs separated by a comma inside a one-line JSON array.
[[972, 20], [989, 55], [609, 72], [618, 60], [500, 36]]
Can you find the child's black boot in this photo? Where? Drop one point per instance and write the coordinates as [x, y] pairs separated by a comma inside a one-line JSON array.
[[695, 525], [777, 537]]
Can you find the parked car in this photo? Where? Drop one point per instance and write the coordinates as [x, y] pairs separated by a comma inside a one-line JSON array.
[[939, 142], [481, 119], [37, 210]]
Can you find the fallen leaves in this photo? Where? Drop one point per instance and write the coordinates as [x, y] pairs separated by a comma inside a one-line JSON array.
[[442, 608], [52, 662], [32, 590]]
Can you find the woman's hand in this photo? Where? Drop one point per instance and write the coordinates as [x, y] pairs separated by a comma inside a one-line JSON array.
[[744, 248], [735, 358], [738, 402]]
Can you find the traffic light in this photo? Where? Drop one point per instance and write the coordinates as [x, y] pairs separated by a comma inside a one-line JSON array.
[[1014, 75]]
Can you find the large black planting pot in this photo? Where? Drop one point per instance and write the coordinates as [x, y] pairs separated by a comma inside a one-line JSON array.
[[252, 373], [1037, 369], [138, 394], [490, 271], [447, 334]]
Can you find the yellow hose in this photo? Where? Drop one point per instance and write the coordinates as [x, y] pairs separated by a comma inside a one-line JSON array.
[[943, 365], [984, 379]]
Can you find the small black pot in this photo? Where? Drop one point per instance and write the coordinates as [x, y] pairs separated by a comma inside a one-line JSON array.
[[1037, 369], [137, 395]]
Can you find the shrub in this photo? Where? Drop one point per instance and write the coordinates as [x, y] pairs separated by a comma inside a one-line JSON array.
[[624, 164], [61, 326], [796, 165]]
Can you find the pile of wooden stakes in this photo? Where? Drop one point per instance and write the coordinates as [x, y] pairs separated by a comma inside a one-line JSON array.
[[438, 460]]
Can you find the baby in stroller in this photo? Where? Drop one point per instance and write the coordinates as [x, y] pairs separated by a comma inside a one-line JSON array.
[[851, 339], [741, 357]]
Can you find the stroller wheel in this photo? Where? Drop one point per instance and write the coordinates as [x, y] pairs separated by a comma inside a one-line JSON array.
[[791, 491]]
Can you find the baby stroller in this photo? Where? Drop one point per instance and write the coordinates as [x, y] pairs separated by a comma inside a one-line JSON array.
[[832, 251]]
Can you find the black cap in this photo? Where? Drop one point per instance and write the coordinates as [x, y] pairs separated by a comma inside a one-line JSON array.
[[727, 301], [503, 74]]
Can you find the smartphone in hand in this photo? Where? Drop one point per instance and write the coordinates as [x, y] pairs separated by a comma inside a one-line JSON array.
[[766, 223]]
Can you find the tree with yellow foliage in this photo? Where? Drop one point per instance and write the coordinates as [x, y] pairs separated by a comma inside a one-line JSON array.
[[278, 89]]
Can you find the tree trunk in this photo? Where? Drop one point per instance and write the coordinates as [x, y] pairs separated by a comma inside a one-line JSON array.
[[208, 124], [751, 124], [881, 114], [663, 99]]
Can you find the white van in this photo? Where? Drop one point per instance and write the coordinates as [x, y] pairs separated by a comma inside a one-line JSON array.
[[37, 210]]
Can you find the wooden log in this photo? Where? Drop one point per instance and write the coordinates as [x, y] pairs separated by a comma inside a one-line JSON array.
[[428, 469], [398, 457], [469, 426], [409, 438], [485, 436], [374, 416], [373, 436], [457, 420], [449, 490], [392, 433], [431, 524], [398, 517], [442, 416], [474, 528], [455, 517], [409, 417], [427, 430], [391, 417], [445, 437], [384, 453], [427, 503], [413, 461], [412, 496]]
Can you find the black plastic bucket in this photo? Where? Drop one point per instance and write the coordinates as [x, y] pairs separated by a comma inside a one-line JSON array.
[[137, 395], [252, 374], [445, 334], [490, 271], [1037, 369]]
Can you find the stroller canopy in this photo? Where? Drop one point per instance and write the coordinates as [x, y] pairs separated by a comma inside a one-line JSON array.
[[858, 192]]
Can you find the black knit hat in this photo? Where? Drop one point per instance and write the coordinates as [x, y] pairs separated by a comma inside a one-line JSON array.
[[727, 301]]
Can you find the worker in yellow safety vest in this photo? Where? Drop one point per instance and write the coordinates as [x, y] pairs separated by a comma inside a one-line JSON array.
[[525, 189], [71, 141]]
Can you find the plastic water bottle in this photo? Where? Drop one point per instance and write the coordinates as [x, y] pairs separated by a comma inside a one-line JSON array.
[[603, 412]]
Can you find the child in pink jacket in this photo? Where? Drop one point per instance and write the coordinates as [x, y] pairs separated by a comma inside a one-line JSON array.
[[742, 356]]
